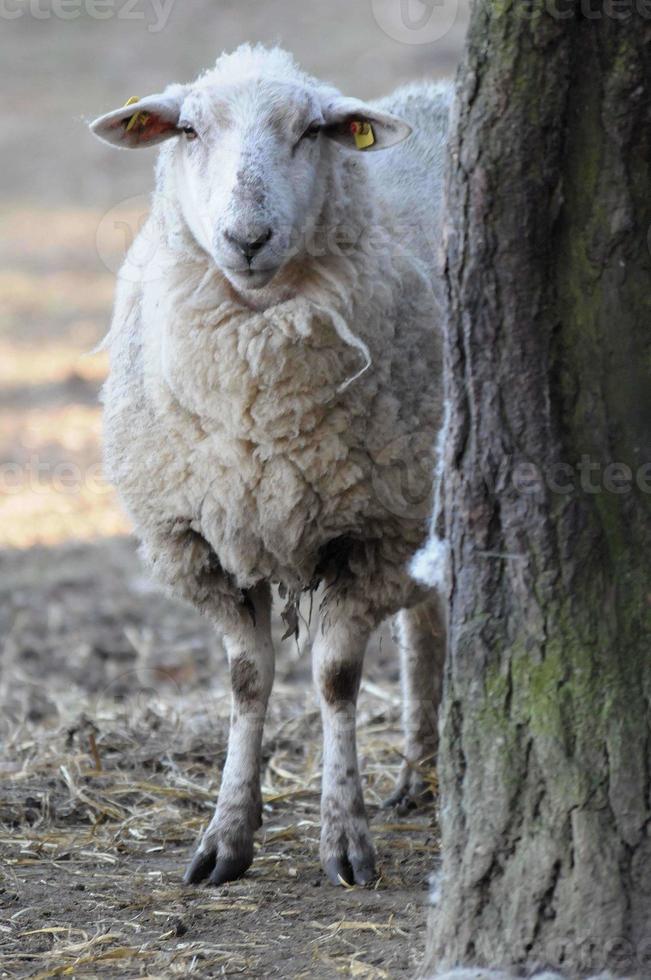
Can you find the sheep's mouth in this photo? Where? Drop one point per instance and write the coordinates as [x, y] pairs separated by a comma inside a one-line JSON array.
[[251, 278]]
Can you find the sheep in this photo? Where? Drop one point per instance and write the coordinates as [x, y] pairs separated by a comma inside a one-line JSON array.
[[274, 398]]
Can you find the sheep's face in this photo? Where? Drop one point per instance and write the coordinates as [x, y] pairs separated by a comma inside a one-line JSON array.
[[251, 175], [252, 163]]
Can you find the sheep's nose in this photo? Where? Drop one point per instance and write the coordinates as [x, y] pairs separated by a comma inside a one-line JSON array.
[[247, 245]]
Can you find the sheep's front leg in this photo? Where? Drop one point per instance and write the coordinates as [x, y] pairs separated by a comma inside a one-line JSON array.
[[422, 642], [226, 850], [347, 853]]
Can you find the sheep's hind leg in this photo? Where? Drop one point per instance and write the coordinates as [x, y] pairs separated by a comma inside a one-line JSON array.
[[226, 849], [421, 639], [347, 853]]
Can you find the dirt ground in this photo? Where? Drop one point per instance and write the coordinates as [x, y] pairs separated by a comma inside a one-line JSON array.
[[114, 699], [114, 723]]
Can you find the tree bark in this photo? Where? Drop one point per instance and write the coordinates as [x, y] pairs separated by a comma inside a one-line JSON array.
[[545, 765]]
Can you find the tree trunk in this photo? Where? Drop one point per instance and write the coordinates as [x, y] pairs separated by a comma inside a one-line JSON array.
[[545, 764]]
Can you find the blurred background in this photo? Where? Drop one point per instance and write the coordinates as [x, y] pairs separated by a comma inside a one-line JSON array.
[[103, 681], [69, 207]]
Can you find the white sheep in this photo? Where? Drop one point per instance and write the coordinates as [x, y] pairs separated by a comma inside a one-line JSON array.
[[274, 400]]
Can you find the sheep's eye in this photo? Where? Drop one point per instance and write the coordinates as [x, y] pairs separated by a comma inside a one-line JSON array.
[[189, 132], [312, 131]]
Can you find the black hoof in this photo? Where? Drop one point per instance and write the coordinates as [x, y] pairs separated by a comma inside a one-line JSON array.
[[356, 871], [364, 871], [208, 864], [339, 871], [408, 797], [200, 867], [229, 869]]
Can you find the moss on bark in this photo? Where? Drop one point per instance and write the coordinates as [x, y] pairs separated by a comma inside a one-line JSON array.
[[546, 747]]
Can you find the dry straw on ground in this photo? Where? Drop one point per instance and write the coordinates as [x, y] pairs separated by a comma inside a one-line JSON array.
[[114, 735]]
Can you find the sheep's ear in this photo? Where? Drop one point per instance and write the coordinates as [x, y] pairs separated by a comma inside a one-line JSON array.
[[141, 122], [359, 127]]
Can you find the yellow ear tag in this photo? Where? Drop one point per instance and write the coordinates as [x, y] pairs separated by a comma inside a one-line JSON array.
[[137, 117], [364, 135]]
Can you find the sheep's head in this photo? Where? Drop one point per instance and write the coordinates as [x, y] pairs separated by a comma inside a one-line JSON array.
[[255, 144]]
